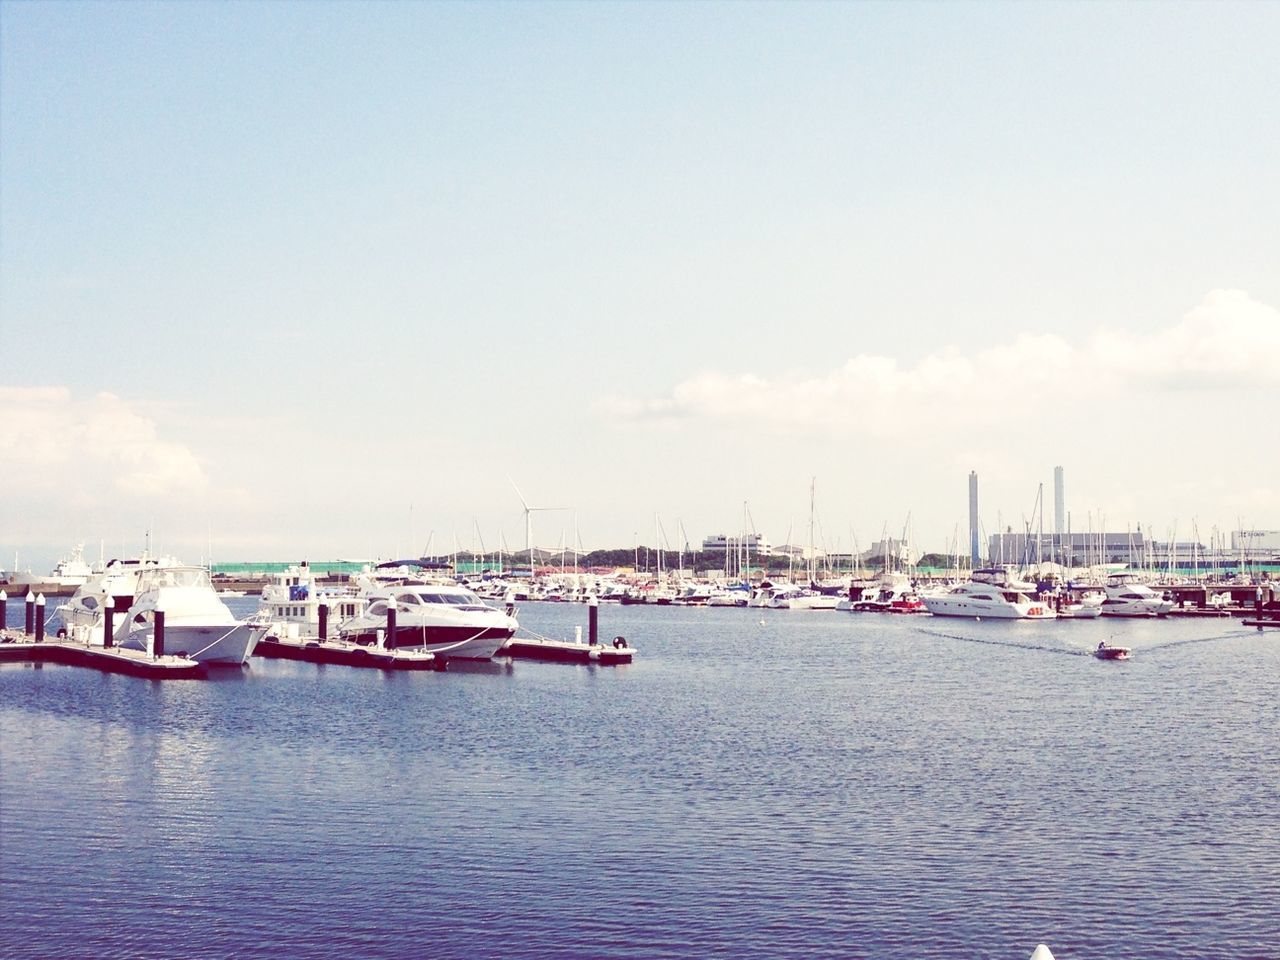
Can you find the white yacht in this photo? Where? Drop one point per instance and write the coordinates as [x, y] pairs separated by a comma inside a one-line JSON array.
[[791, 596], [979, 599], [70, 571], [197, 624], [1128, 596], [290, 607], [879, 597], [1081, 605], [444, 619], [82, 615]]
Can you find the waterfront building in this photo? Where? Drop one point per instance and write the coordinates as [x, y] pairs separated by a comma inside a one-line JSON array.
[[1256, 544], [721, 543]]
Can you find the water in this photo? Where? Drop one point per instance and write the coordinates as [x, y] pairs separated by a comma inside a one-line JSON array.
[[819, 785]]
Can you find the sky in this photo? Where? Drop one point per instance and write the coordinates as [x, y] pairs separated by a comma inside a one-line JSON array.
[[287, 280]]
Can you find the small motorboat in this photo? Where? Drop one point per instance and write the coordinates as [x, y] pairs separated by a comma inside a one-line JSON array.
[[1107, 651], [909, 603]]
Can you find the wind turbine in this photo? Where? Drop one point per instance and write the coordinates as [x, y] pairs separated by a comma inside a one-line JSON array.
[[528, 522]]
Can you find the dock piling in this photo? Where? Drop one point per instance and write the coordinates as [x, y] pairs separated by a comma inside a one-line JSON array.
[[593, 621], [31, 613], [40, 619], [157, 643], [4, 609], [108, 618], [389, 641], [323, 612]]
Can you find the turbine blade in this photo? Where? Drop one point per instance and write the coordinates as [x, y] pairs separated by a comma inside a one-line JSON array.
[[523, 501]]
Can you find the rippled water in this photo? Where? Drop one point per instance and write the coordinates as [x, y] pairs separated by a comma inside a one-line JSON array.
[[816, 785]]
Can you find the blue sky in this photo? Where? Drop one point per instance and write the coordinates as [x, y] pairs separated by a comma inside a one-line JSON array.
[[340, 265]]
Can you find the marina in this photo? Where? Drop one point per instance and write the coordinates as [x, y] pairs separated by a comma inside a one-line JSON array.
[[785, 789]]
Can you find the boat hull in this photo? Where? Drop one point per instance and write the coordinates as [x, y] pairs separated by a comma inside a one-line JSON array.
[[210, 644], [465, 643], [945, 607]]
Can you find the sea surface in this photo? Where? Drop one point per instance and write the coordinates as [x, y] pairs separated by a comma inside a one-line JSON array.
[[797, 784]]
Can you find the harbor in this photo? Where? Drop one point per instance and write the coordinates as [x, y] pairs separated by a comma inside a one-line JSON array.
[[812, 764]]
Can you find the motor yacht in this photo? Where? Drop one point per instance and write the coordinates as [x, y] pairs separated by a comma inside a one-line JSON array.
[[1086, 605], [81, 616], [445, 619], [880, 597], [1128, 596], [792, 596], [979, 599], [197, 624], [290, 606]]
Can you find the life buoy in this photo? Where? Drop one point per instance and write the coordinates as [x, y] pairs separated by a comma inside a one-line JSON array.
[[619, 643], [62, 633]]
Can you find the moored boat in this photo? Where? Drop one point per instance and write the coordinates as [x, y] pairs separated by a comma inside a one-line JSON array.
[[988, 600], [445, 619], [1128, 596], [197, 624]]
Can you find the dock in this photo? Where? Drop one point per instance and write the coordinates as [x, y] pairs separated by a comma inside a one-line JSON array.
[[342, 653], [22, 648], [566, 651], [572, 651]]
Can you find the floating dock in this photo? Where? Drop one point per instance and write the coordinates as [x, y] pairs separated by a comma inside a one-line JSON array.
[[567, 651], [341, 653], [134, 663], [1191, 613]]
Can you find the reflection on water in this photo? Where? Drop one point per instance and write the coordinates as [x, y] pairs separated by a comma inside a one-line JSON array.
[[822, 785]]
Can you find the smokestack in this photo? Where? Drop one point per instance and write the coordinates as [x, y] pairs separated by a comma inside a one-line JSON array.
[[973, 518], [1059, 505]]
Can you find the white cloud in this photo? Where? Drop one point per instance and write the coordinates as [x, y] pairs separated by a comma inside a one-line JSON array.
[[90, 450], [1228, 341]]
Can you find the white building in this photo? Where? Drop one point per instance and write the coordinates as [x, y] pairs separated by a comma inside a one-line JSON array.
[[755, 543], [1256, 544]]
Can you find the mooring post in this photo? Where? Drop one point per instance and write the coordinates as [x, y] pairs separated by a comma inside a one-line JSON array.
[[593, 621], [323, 612], [40, 619], [4, 610], [157, 638], [389, 641], [31, 613], [108, 622]]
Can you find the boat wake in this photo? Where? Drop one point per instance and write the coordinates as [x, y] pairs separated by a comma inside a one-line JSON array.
[[1146, 650], [1007, 643]]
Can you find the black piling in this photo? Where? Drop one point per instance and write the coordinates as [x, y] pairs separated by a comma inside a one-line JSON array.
[[593, 621], [40, 619], [4, 609], [157, 646], [108, 622], [31, 613], [323, 613], [389, 641]]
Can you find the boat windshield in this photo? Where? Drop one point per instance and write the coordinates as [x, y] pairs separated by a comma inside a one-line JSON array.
[[173, 577], [454, 598]]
